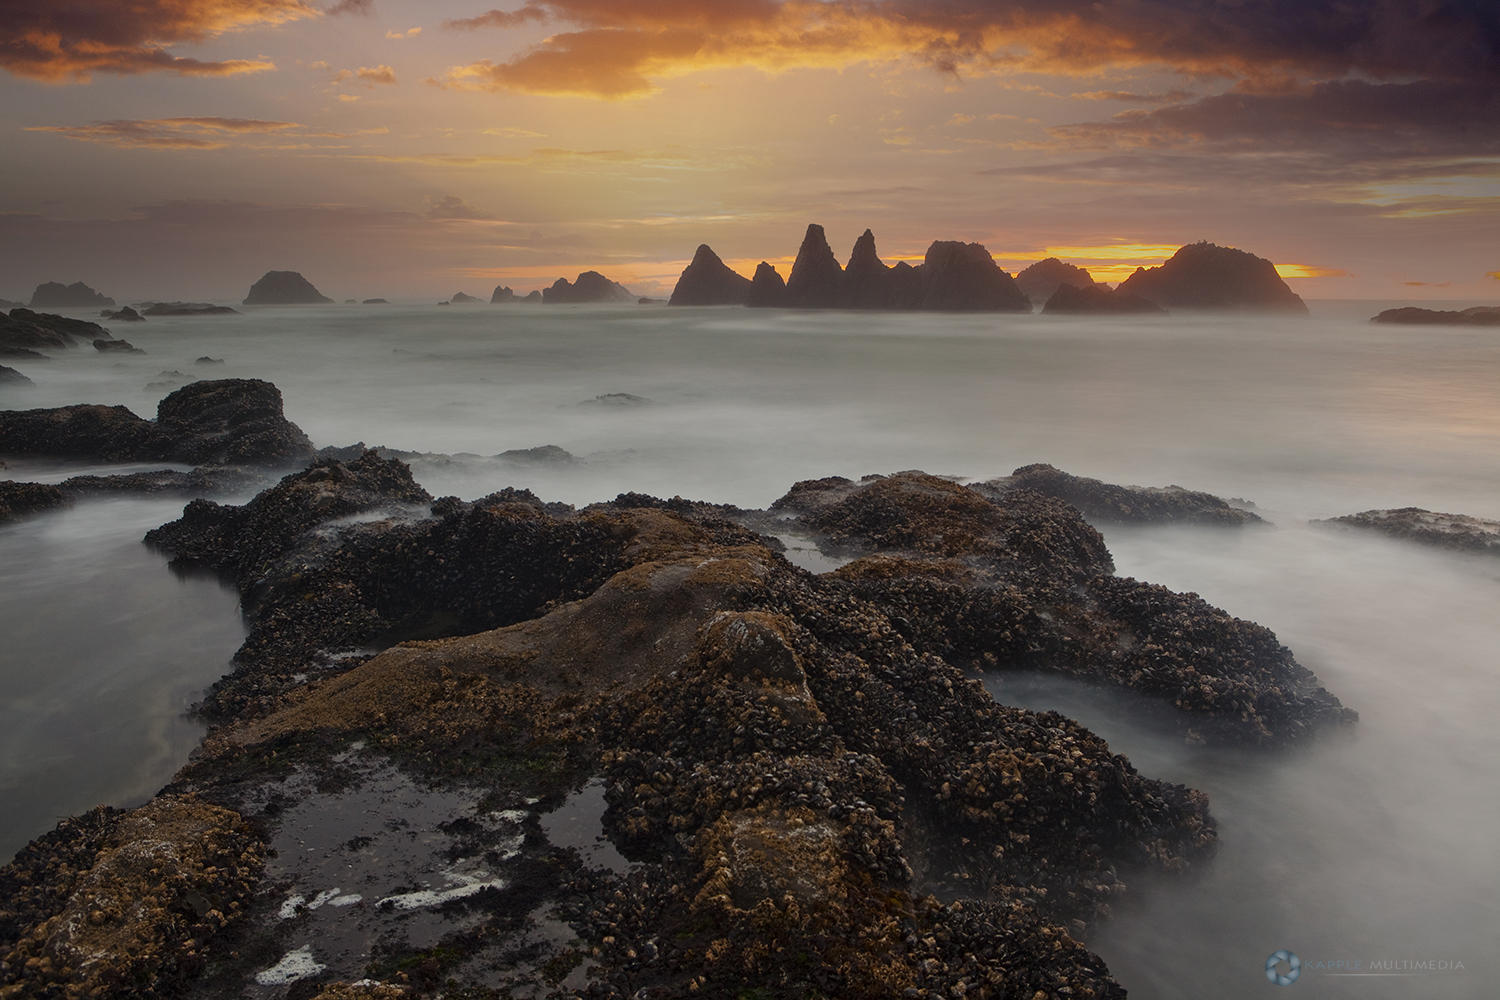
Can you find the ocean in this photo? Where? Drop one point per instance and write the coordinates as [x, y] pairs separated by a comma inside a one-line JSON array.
[[1371, 850]]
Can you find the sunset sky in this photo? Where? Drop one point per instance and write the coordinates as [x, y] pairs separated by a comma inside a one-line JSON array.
[[181, 148]]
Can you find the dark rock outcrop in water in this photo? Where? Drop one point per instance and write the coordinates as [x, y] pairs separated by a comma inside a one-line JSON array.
[[459, 299], [56, 295], [29, 330], [10, 378], [284, 288], [1414, 316], [1040, 280], [1096, 300], [126, 315], [590, 288], [1110, 504], [226, 421], [963, 277], [867, 282], [501, 294], [188, 309], [1458, 532], [767, 290], [115, 346], [1205, 276], [797, 765], [708, 281], [19, 499], [817, 280]]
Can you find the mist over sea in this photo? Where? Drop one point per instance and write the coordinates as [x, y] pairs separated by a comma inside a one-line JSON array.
[[1373, 845]]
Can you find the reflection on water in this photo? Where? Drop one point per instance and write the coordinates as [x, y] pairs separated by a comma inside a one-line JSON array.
[[1376, 844], [103, 652]]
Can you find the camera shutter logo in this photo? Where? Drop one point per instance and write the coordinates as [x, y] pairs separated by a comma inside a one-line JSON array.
[[1293, 972]]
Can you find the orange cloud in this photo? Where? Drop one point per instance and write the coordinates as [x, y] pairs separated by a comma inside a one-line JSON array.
[[621, 50], [376, 74], [1493, 274], [1309, 271], [166, 133], [58, 42]]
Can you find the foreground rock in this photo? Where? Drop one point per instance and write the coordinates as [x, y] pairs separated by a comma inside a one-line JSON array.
[[56, 295], [19, 499], [1096, 300], [1205, 276], [1458, 532], [225, 421], [590, 288], [10, 378], [284, 288], [797, 766], [1414, 316], [1041, 280], [1110, 504], [708, 281]]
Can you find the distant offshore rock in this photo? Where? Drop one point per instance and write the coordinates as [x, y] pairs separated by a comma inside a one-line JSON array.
[[1414, 316], [816, 281], [284, 288], [708, 281], [375, 302], [126, 315], [1041, 280], [460, 299], [767, 289], [187, 309], [113, 346], [1106, 503], [591, 287], [1097, 300], [56, 295], [1206, 276], [617, 400], [1457, 532], [501, 294]]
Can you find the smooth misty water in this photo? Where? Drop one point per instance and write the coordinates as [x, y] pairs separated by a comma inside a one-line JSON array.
[[1376, 845]]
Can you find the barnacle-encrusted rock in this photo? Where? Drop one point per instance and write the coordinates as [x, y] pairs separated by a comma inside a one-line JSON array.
[[20, 499], [1111, 504], [1458, 532]]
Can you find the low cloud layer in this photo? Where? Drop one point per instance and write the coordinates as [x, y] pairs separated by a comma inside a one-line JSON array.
[[59, 42], [167, 133]]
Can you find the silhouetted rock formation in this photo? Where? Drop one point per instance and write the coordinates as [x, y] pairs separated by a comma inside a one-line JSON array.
[[11, 378], [533, 297], [375, 302], [56, 295], [708, 281], [26, 329], [816, 281], [1205, 276], [126, 315], [284, 288], [113, 346], [206, 360], [867, 283], [1042, 279], [590, 287], [209, 480], [1097, 300], [460, 299], [963, 277], [1414, 316], [20, 499], [1458, 532], [617, 400], [188, 309], [502, 293], [226, 421], [22, 353], [1106, 503], [8, 304], [767, 290], [546, 454]]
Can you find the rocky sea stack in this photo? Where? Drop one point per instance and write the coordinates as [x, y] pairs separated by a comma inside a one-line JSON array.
[[708, 281], [1415, 316], [1205, 276], [56, 295], [284, 288], [1098, 300], [1042, 279], [591, 287]]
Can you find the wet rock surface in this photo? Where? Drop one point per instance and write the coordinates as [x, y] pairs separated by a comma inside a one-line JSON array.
[[225, 421], [808, 792], [1458, 532], [1107, 503], [19, 499], [11, 377], [28, 330]]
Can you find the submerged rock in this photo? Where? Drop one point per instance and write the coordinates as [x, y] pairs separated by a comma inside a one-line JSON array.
[[708, 281], [1041, 280], [1205, 276], [284, 288], [56, 295], [1458, 532], [1096, 300], [591, 287], [1110, 504]]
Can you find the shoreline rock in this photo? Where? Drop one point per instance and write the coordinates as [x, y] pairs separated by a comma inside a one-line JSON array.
[[1457, 532], [1112, 504], [25, 329]]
